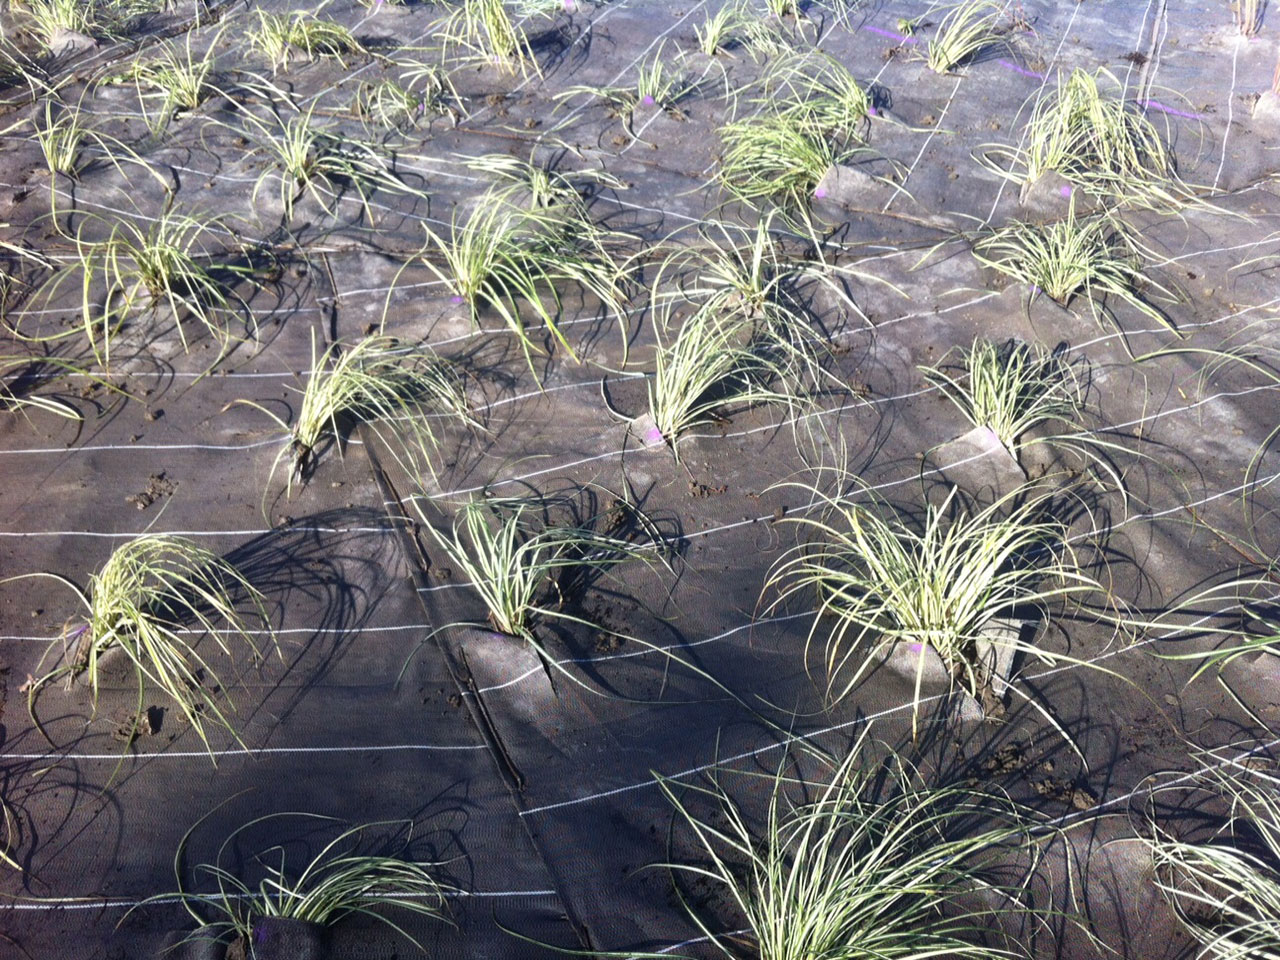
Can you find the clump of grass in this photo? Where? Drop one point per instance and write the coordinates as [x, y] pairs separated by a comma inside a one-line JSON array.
[[144, 601], [61, 135], [969, 28], [812, 116], [747, 336], [883, 576], [718, 32], [783, 8], [182, 80], [320, 162], [814, 84], [779, 157], [172, 261], [337, 883], [278, 36], [48, 19], [747, 270], [722, 359], [876, 862], [655, 86], [423, 93], [1089, 134], [1225, 889], [1014, 390], [380, 382], [1094, 256], [525, 568], [545, 186], [1248, 16], [1011, 389], [484, 31], [505, 255]]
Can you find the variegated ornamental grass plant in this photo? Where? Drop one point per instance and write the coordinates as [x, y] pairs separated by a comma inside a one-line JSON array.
[[810, 117], [1089, 133], [154, 600], [339, 881], [397, 389], [879, 576], [516, 560], [865, 860], [733, 329], [1097, 257], [511, 255], [127, 269], [967, 29], [1224, 886]]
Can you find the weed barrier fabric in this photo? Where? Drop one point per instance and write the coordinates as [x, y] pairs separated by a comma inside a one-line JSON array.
[[533, 784]]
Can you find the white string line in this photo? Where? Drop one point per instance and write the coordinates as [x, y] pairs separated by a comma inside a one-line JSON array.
[[245, 752], [1101, 338], [102, 448], [1160, 33], [90, 903], [299, 528], [867, 719], [1137, 45], [1022, 135], [1149, 418], [564, 466], [933, 131], [1231, 95], [263, 632]]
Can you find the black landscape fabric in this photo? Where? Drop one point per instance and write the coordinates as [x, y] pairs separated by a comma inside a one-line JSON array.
[[534, 776]]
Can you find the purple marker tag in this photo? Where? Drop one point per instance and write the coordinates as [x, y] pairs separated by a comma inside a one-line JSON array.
[[648, 100], [1035, 289], [1065, 190], [652, 437], [871, 111], [455, 299], [915, 647], [820, 192]]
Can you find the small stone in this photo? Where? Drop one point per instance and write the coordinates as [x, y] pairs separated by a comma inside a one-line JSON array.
[[1267, 109], [65, 42]]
